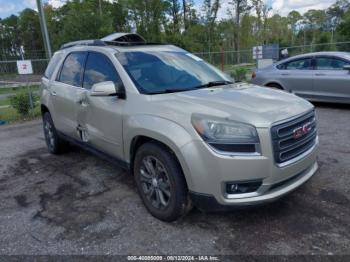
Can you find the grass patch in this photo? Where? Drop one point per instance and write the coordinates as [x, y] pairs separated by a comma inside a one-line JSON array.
[[240, 72], [10, 114], [15, 90], [5, 102]]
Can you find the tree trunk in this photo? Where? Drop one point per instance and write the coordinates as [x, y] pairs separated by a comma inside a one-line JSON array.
[[237, 31], [184, 5]]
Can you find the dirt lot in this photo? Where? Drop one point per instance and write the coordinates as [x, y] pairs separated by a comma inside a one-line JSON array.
[[79, 204]]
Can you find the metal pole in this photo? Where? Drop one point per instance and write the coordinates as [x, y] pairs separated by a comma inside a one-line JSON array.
[[44, 31], [21, 51], [222, 59]]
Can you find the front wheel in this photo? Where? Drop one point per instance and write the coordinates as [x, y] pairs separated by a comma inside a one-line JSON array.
[[160, 182], [54, 143]]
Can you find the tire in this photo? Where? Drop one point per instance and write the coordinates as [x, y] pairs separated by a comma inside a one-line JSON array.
[[160, 182], [55, 144], [275, 86]]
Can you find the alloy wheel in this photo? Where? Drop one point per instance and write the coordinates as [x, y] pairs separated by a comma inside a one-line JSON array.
[[155, 182]]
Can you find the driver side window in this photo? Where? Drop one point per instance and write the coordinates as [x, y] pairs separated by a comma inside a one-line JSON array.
[[99, 69], [330, 63]]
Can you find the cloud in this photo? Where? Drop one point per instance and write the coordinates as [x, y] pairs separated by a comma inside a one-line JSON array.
[[56, 3], [15, 6], [283, 7], [29, 4], [7, 8]]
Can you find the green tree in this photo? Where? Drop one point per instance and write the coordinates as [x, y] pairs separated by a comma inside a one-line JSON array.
[[9, 37], [240, 7], [210, 9], [30, 33], [314, 20], [293, 18], [81, 19]]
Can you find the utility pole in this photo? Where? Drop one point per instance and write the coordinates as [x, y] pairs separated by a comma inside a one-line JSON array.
[[44, 31]]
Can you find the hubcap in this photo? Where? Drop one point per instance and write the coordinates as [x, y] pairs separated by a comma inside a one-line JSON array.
[[155, 182]]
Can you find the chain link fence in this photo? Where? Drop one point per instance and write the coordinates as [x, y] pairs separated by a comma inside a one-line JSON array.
[[232, 57], [227, 60], [9, 67], [240, 63]]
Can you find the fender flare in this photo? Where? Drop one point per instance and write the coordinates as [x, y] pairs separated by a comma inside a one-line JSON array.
[[159, 129]]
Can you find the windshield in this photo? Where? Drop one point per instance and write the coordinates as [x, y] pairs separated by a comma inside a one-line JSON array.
[[161, 72]]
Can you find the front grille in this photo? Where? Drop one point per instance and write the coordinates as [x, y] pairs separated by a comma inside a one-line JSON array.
[[286, 144]]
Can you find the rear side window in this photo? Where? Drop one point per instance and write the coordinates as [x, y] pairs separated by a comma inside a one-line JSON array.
[[99, 69], [300, 64], [52, 65], [330, 63], [71, 72]]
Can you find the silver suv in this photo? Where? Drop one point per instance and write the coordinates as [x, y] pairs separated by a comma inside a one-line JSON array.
[[188, 134]]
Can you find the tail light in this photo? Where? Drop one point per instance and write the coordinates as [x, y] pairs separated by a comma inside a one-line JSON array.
[[253, 75]]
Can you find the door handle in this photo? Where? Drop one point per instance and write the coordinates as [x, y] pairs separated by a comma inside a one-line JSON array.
[[285, 74], [53, 93], [320, 74]]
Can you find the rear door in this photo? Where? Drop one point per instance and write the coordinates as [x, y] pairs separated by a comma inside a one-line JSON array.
[[296, 76], [331, 81], [100, 119], [65, 91]]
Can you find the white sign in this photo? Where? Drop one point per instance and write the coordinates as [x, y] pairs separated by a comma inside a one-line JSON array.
[[284, 52], [264, 63], [24, 67], [257, 52]]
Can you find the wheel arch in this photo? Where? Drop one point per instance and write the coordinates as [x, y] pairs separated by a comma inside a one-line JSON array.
[[165, 132], [275, 83], [44, 109]]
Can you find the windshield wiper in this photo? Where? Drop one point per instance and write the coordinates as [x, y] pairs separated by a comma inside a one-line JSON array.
[[170, 90], [214, 83], [174, 90]]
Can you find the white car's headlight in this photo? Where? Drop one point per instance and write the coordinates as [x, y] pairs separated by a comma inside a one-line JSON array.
[[227, 136]]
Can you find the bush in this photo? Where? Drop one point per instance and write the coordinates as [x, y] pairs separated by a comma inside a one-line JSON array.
[[21, 102], [239, 74]]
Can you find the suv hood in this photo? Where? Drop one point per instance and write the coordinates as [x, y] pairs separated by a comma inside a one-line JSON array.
[[239, 102]]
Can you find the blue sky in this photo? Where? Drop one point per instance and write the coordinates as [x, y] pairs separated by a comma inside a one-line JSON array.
[[8, 7]]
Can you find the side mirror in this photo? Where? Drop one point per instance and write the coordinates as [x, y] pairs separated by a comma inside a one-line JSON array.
[[107, 88], [347, 67]]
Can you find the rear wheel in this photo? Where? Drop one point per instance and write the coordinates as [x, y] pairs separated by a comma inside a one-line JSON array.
[[160, 182], [275, 86], [54, 143]]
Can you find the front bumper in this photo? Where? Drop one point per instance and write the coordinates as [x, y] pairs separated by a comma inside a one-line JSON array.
[[209, 172], [209, 203]]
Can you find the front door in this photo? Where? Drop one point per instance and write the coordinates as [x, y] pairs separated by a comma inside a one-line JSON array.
[[100, 119]]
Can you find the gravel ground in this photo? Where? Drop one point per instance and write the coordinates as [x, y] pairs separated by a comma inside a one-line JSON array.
[[79, 204]]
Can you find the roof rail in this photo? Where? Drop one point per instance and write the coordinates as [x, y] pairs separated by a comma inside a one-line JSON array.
[[93, 42], [120, 43], [116, 39]]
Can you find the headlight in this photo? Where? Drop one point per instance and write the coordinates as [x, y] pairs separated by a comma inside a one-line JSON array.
[[227, 136]]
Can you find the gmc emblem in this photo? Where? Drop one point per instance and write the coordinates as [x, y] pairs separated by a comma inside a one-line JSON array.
[[302, 131]]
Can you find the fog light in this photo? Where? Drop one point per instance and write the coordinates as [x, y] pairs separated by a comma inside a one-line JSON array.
[[234, 188], [242, 187]]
